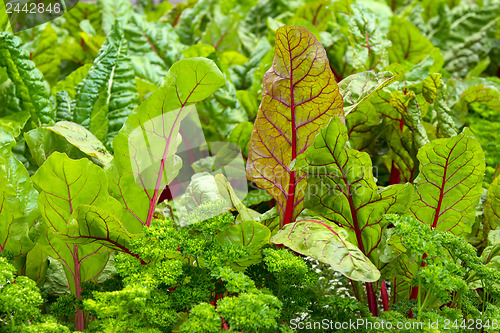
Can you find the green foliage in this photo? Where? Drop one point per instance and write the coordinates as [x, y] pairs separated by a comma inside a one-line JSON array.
[[116, 200]]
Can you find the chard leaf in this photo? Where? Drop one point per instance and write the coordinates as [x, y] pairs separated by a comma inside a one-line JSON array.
[[492, 205], [341, 188], [84, 140], [408, 106], [4, 19], [144, 161], [18, 200], [67, 183], [368, 49], [71, 82], [256, 197], [465, 34], [81, 263], [94, 225], [111, 79], [328, 243], [359, 87], [80, 12], [222, 31], [409, 46], [153, 47], [240, 135], [483, 94], [300, 95], [114, 10], [45, 54], [448, 186], [249, 234], [31, 88]]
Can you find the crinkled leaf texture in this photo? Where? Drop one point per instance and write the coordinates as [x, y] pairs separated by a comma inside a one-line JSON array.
[[112, 80], [341, 188], [144, 160], [31, 88], [300, 95], [249, 234], [328, 243], [17, 200], [449, 183]]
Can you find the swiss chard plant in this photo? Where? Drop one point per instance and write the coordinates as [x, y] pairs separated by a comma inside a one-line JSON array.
[[254, 167]]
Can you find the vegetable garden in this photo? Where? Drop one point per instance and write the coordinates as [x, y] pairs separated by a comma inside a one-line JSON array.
[[253, 166]]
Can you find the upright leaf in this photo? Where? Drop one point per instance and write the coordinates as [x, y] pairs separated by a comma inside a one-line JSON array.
[[144, 160], [45, 54], [112, 10], [449, 183], [300, 95], [31, 88]]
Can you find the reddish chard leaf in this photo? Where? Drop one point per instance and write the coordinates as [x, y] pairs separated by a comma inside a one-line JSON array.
[[300, 95], [449, 183], [144, 160]]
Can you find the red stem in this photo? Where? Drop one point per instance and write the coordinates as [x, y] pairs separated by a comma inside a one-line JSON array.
[[288, 217], [385, 296], [80, 318]]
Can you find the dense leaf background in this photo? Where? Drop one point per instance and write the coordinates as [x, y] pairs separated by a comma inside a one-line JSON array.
[[251, 166]]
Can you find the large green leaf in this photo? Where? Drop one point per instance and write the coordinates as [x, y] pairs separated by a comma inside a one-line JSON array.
[[300, 95], [144, 161], [120, 10], [341, 188], [94, 225], [45, 54], [449, 183], [18, 208], [409, 46], [67, 183], [31, 88], [328, 243]]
